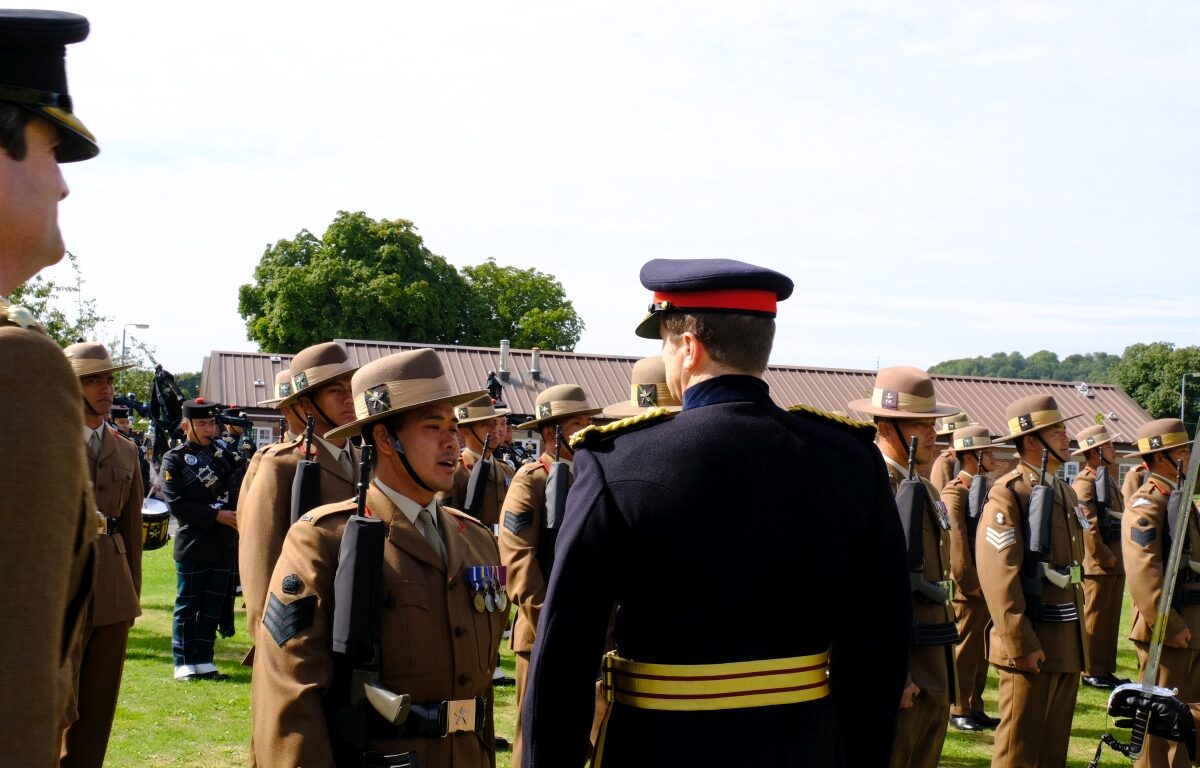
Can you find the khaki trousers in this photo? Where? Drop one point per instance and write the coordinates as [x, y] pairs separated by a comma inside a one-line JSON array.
[[1035, 718], [99, 661], [970, 656], [1178, 668], [920, 731], [1102, 596]]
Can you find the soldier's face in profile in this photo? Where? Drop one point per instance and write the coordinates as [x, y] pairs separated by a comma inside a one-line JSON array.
[[1056, 438], [1108, 454], [98, 391], [430, 439], [30, 190], [926, 435], [122, 424], [337, 401]]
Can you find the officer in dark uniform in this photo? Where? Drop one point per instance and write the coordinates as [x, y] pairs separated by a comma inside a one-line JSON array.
[[749, 572], [199, 485]]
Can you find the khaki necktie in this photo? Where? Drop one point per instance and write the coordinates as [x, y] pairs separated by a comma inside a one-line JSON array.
[[346, 462], [94, 445], [429, 531]]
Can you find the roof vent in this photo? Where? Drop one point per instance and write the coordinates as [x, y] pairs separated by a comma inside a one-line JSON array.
[[276, 359], [535, 370], [259, 383], [1083, 389], [503, 370]]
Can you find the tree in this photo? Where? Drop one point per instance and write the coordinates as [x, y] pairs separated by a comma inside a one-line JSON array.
[[1093, 367], [367, 279], [527, 307], [1151, 374], [363, 279], [41, 296]]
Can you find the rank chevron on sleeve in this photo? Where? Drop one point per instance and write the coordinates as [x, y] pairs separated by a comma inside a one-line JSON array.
[[1001, 540]]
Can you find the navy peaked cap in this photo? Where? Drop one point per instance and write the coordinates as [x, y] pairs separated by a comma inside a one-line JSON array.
[[710, 285]]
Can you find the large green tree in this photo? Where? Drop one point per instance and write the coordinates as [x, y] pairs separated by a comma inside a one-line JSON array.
[[1152, 374], [1094, 367], [367, 279], [527, 307]]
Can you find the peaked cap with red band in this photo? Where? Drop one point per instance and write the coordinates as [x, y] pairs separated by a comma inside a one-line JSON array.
[[710, 285]]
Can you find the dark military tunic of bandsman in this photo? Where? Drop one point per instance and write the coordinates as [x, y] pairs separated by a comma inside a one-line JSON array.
[[905, 396], [48, 541], [943, 469], [1146, 536], [1035, 601], [198, 484], [1103, 572], [441, 625], [527, 546], [970, 609], [809, 520], [265, 509], [117, 485], [470, 419]]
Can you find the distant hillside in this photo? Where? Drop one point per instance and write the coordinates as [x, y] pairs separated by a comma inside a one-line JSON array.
[[1094, 367]]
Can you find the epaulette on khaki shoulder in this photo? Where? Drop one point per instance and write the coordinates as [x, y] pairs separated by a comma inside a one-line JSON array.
[[458, 514], [275, 449], [593, 434], [862, 429], [322, 512]]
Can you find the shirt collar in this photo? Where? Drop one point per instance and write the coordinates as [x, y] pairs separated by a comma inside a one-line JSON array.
[[337, 452], [475, 456], [1169, 481], [88, 432], [409, 508]]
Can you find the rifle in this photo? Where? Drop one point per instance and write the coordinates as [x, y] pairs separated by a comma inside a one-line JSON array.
[[356, 636], [282, 429], [306, 485], [477, 483], [976, 498], [557, 484], [912, 502]]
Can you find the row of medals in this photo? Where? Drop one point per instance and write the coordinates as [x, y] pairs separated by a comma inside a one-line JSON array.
[[488, 591]]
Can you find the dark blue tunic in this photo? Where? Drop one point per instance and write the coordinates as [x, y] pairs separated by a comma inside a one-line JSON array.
[[734, 531]]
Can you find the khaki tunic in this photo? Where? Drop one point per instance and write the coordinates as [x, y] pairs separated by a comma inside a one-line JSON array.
[[970, 655], [1133, 480], [436, 647], [494, 492], [265, 514], [47, 552], [1095, 550], [942, 471]]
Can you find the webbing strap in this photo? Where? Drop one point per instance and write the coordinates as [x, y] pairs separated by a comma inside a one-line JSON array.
[[707, 687]]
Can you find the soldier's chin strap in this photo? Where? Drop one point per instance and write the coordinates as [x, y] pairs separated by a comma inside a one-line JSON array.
[[404, 461], [1046, 445], [317, 408]]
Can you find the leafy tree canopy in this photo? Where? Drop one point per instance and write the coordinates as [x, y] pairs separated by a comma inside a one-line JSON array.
[[1152, 374], [1094, 367], [367, 279], [46, 299]]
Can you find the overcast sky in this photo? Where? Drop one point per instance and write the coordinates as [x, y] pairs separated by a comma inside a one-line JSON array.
[[940, 179]]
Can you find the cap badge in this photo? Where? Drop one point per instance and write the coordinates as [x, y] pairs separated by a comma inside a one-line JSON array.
[[461, 412], [647, 395], [890, 399], [545, 411], [968, 442], [378, 400], [1091, 441], [285, 389], [1025, 421], [1156, 441], [300, 380]]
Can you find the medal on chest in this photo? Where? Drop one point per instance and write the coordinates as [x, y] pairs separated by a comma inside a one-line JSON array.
[[475, 579], [498, 579], [943, 515], [1081, 516]]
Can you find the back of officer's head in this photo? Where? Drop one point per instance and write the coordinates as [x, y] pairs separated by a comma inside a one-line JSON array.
[[737, 341]]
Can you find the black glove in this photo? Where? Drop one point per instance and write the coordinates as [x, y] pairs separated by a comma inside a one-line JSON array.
[[1170, 718]]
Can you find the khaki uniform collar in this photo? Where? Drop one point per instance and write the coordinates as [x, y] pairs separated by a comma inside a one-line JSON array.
[[409, 508]]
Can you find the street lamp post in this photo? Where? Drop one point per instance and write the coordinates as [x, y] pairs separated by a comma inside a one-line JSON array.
[[139, 326], [1182, 382]]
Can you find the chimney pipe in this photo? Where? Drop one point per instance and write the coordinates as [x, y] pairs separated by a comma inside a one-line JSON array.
[[534, 369], [503, 370]]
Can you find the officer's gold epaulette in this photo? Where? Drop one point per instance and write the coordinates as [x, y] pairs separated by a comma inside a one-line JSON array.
[[862, 429], [593, 434]]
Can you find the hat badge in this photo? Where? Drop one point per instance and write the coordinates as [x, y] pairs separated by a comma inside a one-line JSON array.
[[1156, 441], [378, 400], [647, 395], [285, 389], [545, 411], [968, 442], [1091, 441], [890, 399], [1026, 421], [461, 412]]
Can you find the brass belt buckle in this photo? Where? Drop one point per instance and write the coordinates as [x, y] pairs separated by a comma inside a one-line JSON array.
[[459, 716]]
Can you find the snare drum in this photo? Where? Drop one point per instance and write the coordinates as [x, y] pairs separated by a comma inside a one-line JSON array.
[[156, 522]]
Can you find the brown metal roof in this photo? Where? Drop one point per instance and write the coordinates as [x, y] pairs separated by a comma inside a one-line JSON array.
[[234, 376]]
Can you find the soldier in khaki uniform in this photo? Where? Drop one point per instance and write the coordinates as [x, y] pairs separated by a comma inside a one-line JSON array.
[[117, 484], [480, 421], [942, 469], [1133, 480], [1145, 539], [526, 547], [1037, 640], [971, 448], [264, 511], [1103, 574], [295, 426], [904, 405], [47, 548], [439, 643]]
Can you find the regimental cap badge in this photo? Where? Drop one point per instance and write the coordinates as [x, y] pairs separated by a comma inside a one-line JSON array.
[[890, 399], [1025, 420], [300, 381], [647, 395], [1156, 441], [545, 411], [285, 389], [967, 442], [378, 400], [1091, 441], [461, 412]]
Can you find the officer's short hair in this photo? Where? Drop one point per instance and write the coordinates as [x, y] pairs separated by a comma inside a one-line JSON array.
[[734, 340], [13, 120]]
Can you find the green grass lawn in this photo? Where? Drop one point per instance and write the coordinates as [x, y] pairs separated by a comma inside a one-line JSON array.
[[207, 724]]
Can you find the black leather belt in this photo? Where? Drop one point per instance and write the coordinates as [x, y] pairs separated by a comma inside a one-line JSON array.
[[1059, 613], [440, 719], [935, 634]]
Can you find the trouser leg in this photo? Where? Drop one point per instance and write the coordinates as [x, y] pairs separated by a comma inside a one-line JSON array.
[[103, 661]]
